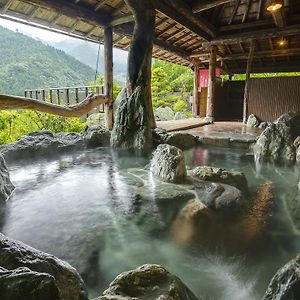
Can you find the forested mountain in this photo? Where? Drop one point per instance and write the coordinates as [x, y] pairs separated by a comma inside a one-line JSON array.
[[26, 63]]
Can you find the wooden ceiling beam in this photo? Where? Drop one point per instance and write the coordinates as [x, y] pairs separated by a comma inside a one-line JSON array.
[[207, 4], [158, 42], [100, 4], [257, 55], [253, 35], [122, 20], [73, 10], [6, 6], [184, 17], [246, 11], [235, 8]]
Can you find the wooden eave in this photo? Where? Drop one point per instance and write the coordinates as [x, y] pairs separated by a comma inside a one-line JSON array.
[[185, 30]]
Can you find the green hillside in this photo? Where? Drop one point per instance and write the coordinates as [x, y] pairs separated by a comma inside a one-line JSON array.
[[26, 63]]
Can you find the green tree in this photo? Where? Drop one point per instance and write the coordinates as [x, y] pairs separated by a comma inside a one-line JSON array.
[[171, 85], [100, 82]]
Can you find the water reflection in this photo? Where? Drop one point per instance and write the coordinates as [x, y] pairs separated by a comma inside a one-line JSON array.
[[81, 207]]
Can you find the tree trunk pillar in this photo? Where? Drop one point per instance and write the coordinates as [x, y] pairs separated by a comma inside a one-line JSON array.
[[134, 118], [195, 108], [247, 82], [108, 76], [211, 91]]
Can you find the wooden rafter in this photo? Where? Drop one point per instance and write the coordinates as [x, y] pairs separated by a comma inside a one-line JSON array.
[[186, 21], [253, 35], [207, 4], [248, 5], [235, 8]]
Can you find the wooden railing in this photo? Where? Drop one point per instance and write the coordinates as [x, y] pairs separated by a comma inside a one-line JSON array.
[[66, 96]]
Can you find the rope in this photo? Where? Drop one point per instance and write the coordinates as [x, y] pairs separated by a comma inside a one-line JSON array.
[[97, 62]]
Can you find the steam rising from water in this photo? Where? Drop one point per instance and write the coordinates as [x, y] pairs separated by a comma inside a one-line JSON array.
[[227, 276]]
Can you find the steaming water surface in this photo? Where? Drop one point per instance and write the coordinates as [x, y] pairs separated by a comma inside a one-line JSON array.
[[79, 208]]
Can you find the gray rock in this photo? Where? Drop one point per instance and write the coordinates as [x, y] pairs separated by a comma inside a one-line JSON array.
[[24, 284], [96, 119], [209, 120], [41, 142], [179, 116], [214, 174], [297, 142], [292, 200], [252, 121], [182, 140], [219, 197], [263, 125], [291, 119], [177, 139], [168, 164], [285, 285], [119, 98], [14, 254], [150, 282], [96, 136], [159, 135], [275, 143], [6, 187], [298, 155], [164, 114]]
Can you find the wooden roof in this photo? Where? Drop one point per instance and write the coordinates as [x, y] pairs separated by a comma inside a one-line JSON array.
[[184, 29]]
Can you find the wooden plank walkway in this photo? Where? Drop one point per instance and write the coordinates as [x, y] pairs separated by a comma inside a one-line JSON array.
[[178, 125]]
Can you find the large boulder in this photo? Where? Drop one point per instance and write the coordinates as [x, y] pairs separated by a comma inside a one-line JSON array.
[[276, 143], [221, 198], [214, 174], [150, 282], [6, 187], [179, 116], [154, 207], [24, 284], [14, 255], [252, 121], [159, 136], [292, 200], [297, 146], [177, 139], [285, 285], [182, 140], [164, 114], [41, 142], [96, 136], [168, 164], [292, 120], [194, 223]]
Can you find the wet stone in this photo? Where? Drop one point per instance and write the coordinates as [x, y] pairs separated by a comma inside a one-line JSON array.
[[147, 282]]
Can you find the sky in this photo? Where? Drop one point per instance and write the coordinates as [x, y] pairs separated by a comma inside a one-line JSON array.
[[41, 34]]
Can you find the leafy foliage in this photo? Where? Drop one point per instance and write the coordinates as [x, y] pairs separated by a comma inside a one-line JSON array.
[[171, 85], [14, 124], [100, 82], [29, 64]]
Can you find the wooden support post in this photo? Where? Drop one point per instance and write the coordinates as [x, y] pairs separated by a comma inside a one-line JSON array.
[[246, 93], [210, 110], [195, 107], [108, 76]]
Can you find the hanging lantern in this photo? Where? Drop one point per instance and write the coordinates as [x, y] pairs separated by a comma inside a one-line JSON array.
[[274, 5]]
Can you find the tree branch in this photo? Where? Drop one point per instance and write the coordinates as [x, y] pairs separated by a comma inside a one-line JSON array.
[[77, 110]]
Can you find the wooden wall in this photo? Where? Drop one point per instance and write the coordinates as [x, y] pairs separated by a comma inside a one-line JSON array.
[[229, 101], [269, 98]]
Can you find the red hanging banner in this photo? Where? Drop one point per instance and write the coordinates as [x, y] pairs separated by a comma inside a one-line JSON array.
[[203, 77]]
